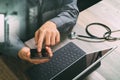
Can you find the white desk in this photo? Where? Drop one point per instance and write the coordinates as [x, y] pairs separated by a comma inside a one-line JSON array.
[[106, 12]]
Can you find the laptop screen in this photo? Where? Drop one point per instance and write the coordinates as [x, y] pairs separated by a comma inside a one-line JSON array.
[[92, 62]]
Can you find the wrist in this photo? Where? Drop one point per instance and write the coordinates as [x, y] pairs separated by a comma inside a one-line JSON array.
[[52, 24]]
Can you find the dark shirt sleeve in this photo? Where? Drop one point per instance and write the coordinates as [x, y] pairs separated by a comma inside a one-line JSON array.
[[67, 16], [12, 47]]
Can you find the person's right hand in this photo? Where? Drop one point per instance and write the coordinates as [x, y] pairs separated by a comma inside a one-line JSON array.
[[24, 54]]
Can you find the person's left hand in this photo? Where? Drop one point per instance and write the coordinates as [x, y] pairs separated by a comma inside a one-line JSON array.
[[47, 34], [25, 54]]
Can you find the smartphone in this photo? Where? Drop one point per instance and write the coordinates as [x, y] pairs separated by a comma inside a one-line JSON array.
[[36, 55]]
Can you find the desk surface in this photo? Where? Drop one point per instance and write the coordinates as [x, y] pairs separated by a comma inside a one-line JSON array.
[[106, 12]]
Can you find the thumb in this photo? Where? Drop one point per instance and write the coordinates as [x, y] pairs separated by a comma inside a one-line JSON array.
[[49, 51]]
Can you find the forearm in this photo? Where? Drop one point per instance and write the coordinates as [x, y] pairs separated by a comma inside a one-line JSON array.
[[67, 17]]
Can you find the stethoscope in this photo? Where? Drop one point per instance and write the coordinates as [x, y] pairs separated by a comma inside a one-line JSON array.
[[93, 38]]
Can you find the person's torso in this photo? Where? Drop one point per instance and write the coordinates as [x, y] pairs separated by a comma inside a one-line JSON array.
[[47, 9]]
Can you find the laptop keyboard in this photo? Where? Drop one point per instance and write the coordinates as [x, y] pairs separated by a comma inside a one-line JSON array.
[[63, 58]]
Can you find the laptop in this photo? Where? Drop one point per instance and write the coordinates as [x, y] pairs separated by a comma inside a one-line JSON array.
[[69, 62]]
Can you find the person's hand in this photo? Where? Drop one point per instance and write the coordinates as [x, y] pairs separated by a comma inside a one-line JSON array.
[[47, 34], [24, 54]]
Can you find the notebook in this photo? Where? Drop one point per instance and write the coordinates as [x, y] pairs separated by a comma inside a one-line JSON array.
[[68, 63]]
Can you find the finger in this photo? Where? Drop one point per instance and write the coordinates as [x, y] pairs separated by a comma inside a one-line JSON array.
[[38, 61], [57, 40], [40, 41], [20, 56], [36, 37], [47, 39], [23, 56], [26, 56], [52, 41], [49, 51]]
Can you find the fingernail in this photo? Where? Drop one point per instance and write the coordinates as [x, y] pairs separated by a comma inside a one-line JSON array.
[[51, 55]]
